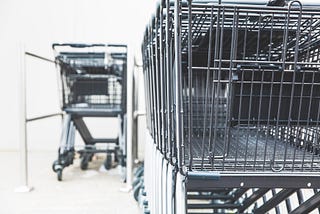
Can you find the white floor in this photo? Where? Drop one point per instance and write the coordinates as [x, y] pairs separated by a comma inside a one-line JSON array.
[[80, 192]]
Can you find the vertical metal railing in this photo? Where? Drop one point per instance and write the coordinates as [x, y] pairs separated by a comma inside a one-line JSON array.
[[23, 120]]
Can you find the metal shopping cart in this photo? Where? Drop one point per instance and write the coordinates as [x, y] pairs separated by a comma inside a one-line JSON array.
[[233, 103], [93, 84]]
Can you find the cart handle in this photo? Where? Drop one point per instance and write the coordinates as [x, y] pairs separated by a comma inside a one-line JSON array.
[[76, 45], [81, 45]]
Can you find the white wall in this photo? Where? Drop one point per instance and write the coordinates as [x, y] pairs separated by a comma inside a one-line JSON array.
[[37, 24]]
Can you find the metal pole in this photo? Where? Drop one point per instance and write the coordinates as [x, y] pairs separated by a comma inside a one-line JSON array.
[[23, 126], [128, 133], [177, 80]]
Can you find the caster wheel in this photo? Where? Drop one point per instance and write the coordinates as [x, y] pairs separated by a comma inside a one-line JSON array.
[[59, 175], [84, 163], [108, 162], [56, 166], [90, 157], [136, 191], [116, 157]]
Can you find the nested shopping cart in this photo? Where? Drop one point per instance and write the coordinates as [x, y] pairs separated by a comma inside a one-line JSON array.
[[233, 105], [93, 84]]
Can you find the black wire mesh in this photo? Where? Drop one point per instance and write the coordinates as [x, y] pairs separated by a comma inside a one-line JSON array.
[[249, 89], [93, 79]]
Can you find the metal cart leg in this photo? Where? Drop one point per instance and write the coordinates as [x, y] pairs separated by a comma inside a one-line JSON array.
[[159, 178], [121, 153], [66, 150], [170, 190], [164, 185], [180, 197]]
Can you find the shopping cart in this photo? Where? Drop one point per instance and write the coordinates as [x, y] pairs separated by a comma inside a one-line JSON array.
[[93, 84], [257, 102], [233, 101]]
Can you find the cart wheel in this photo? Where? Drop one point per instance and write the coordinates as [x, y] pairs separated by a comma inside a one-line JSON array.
[[116, 158], [84, 162], [136, 191], [90, 157], [59, 175], [56, 166], [108, 161]]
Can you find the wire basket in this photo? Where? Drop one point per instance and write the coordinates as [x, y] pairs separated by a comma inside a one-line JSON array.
[[93, 76], [235, 88]]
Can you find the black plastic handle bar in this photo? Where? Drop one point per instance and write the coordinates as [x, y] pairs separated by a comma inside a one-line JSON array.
[[81, 45]]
